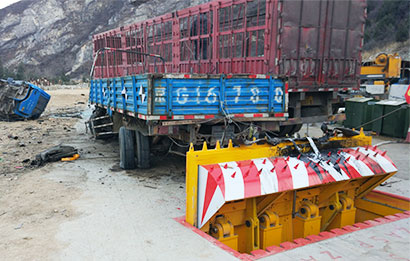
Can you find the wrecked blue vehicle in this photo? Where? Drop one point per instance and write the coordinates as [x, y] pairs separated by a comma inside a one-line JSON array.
[[21, 100]]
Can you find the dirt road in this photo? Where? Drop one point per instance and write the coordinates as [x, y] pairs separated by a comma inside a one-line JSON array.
[[31, 207]]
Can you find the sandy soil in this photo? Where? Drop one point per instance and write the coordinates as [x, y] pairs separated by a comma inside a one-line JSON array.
[[32, 207], [31, 210], [20, 141]]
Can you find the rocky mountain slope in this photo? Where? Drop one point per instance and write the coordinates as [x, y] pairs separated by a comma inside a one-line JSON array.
[[53, 37], [387, 28]]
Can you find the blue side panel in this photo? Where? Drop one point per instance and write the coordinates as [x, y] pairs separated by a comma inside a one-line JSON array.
[[253, 96], [189, 96], [33, 104], [218, 96], [127, 93], [160, 96]]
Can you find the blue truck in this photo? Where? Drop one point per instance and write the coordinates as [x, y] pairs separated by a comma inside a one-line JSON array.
[[21, 100], [167, 112]]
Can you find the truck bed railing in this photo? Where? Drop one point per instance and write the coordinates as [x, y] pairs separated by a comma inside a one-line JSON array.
[[103, 50]]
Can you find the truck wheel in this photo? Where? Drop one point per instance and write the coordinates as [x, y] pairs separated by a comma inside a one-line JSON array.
[[283, 130], [296, 128], [127, 154], [142, 150]]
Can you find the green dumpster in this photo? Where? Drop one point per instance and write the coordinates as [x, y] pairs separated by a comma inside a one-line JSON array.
[[358, 112], [377, 117], [396, 120]]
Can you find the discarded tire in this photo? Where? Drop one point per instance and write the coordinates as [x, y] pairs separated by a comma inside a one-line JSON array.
[[127, 148]]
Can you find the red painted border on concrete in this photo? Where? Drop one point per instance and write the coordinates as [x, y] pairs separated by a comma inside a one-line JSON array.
[[214, 241], [392, 195], [272, 250]]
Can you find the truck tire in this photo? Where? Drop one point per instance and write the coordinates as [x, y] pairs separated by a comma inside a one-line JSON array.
[[127, 148], [289, 130], [296, 128], [285, 130], [142, 150]]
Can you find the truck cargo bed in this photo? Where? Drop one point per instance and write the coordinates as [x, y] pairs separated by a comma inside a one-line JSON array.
[[191, 96]]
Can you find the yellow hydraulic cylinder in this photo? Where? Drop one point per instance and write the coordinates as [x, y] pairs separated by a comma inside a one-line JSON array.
[[330, 212], [223, 230], [270, 231], [347, 214], [307, 221]]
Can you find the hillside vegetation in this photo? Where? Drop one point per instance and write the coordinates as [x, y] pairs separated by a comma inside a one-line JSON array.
[[387, 23]]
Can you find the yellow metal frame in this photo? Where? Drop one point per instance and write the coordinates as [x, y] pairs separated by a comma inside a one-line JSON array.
[[389, 65], [256, 223], [212, 156]]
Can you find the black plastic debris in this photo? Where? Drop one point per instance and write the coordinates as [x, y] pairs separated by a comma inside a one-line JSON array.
[[54, 154]]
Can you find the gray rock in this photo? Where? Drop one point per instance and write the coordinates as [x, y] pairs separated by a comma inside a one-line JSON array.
[[52, 37]]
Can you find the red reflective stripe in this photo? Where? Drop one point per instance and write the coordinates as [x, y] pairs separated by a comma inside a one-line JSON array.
[[239, 115], [209, 116], [285, 181], [215, 179], [229, 76], [251, 180], [258, 115], [312, 175], [279, 114], [187, 76], [252, 76], [375, 149], [349, 170], [323, 175], [373, 165], [189, 117], [286, 87], [163, 117]]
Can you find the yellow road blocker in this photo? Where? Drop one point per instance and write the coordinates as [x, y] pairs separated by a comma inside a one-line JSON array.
[[254, 197]]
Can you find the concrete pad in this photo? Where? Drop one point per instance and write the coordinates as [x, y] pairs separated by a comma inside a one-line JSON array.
[[384, 242], [129, 215]]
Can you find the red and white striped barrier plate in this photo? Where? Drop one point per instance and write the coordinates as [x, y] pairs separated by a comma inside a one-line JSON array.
[[223, 182]]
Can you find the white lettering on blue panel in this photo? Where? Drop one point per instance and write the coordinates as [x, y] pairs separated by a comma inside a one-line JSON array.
[[198, 94], [160, 95], [255, 95], [211, 97], [238, 93], [278, 94], [184, 96]]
